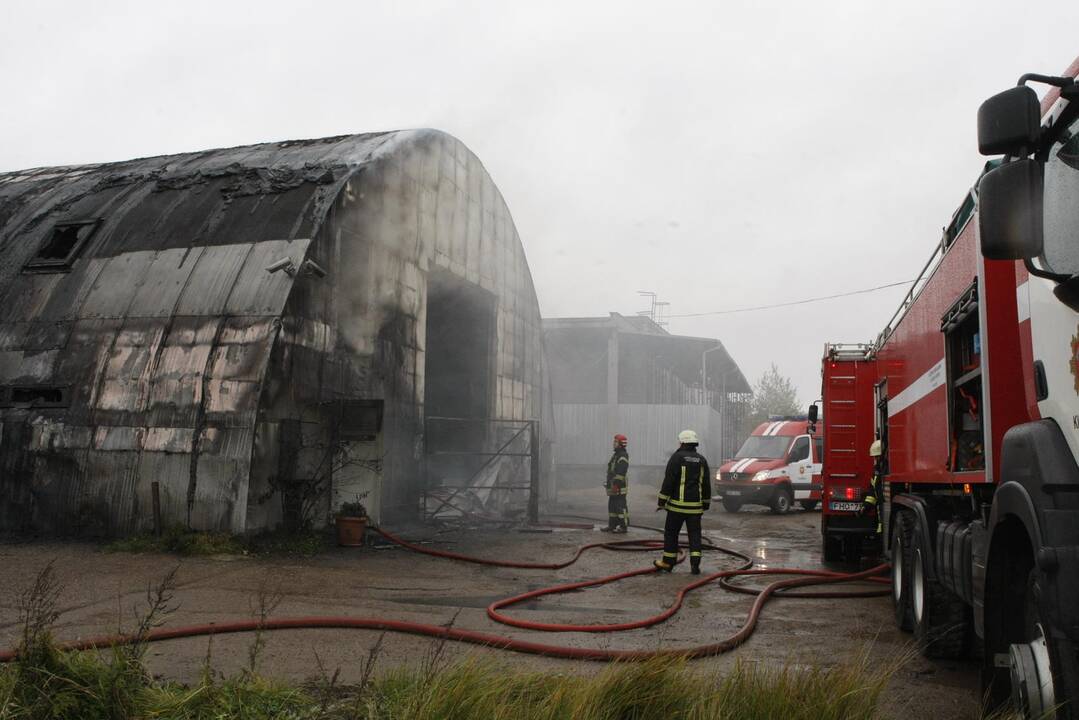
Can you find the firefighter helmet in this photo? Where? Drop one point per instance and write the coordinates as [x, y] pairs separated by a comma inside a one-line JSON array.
[[621, 439], [875, 449], [688, 437]]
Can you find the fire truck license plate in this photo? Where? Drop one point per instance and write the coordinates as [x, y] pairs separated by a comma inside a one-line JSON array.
[[732, 492], [845, 506]]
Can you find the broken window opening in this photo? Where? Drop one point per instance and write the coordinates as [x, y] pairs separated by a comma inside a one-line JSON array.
[[34, 396], [62, 246]]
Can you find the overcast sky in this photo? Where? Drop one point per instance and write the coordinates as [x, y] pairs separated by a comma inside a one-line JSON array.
[[722, 154]]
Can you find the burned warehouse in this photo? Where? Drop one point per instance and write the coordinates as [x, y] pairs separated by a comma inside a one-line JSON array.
[[253, 336]]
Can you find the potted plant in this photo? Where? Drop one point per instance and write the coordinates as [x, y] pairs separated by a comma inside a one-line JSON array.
[[351, 521]]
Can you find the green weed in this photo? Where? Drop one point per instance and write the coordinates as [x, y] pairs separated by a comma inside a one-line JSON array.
[[179, 540], [46, 683]]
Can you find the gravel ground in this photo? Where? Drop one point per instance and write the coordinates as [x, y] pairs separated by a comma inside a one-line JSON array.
[[101, 589]]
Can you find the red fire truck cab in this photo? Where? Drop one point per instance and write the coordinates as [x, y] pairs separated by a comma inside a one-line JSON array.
[[848, 378], [778, 464]]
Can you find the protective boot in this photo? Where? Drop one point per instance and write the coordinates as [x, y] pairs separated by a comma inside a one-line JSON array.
[[663, 566], [695, 565]]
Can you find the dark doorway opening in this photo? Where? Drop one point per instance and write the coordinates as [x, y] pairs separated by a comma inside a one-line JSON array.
[[458, 371]]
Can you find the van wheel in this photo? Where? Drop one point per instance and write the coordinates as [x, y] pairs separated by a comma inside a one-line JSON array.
[[782, 501], [902, 530], [940, 616], [731, 505]]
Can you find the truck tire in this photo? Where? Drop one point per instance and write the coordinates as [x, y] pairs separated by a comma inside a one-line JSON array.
[[940, 616], [902, 532], [782, 501], [731, 505], [809, 504], [1043, 655]]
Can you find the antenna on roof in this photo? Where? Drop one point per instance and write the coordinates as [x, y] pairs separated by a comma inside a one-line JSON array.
[[658, 311]]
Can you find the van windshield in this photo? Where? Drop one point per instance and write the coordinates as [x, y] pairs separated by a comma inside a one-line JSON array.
[[759, 446]]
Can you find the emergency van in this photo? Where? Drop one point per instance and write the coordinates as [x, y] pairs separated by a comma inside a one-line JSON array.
[[778, 464]]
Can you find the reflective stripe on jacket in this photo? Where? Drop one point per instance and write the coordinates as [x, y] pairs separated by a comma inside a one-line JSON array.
[[687, 487], [618, 472]]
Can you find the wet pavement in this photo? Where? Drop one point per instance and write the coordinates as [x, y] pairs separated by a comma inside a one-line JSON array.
[[102, 589]]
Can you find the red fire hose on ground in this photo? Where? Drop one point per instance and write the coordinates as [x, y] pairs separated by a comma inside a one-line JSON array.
[[803, 578]]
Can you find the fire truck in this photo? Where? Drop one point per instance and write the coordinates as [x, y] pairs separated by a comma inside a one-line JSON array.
[[976, 403], [778, 464], [848, 378]]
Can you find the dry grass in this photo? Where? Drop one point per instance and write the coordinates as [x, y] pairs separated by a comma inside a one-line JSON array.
[[45, 683]]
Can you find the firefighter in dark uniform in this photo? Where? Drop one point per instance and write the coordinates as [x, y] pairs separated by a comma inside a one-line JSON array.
[[685, 495], [875, 495], [617, 487]]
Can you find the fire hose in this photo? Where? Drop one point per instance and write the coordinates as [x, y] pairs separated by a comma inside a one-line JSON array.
[[802, 578]]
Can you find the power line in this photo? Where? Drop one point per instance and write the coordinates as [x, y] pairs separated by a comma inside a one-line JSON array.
[[794, 302]]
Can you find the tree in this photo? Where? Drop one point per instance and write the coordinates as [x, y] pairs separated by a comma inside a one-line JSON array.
[[773, 394]]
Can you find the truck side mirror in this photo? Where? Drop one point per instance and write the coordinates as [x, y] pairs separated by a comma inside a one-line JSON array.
[[1009, 122], [812, 414], [1010, 211]]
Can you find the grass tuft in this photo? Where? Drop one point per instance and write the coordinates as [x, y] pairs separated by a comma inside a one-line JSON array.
[[178, 540], [46, 683]]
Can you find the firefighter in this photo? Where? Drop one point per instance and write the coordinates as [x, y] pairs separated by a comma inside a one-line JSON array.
[[874, 498], [685, 495], [617, 487]]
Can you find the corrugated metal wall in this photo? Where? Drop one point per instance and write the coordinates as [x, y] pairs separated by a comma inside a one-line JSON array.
[[187, 363], [584, 433]]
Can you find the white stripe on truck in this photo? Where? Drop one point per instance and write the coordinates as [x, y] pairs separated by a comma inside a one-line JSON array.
[[927, 383]]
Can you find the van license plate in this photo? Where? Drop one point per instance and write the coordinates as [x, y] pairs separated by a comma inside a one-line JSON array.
[[845, 506]]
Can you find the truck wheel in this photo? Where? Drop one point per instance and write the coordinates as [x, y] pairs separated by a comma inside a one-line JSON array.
[[902, 530], [809, 504], [940, 616], [1043, 671], [731, 505], [833, 548], [782, 501]]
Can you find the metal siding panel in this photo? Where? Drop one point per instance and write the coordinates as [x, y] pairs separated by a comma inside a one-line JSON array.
[[28, 294], [212, 280], [18, 366], [106, 502], [236, 370], [82, 362], [163, 282], [175, 392], [584, 438], [13, 335], [172, 472], [65, 302], [258, 292], [221, 492], [125, 382], [115, 287]]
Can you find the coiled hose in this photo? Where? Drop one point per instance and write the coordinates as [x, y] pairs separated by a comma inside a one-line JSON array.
[[803, 578]]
